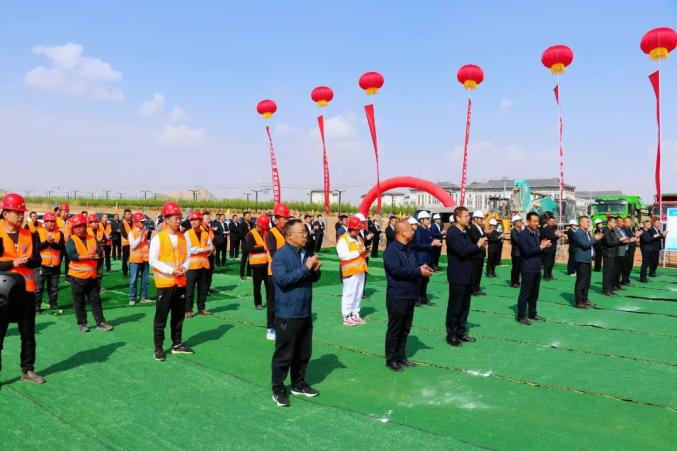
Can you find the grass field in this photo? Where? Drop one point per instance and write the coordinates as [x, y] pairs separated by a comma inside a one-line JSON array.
[[603, 378]]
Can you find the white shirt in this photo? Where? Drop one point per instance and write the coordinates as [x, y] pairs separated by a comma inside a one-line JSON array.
[[343, 250], [154, 255], [134, 242], [193, 249]]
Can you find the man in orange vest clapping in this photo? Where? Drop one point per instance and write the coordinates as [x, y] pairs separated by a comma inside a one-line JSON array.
[[138, 259], [52, 247], [199, 249], [274, 241], [353, 255], [255, 243]]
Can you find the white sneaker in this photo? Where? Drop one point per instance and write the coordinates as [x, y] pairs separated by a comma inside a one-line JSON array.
[[270, 334], [349, 321], [132, 302], [357, 319]]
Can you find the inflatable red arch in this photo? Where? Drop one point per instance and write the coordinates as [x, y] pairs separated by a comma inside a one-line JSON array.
[[406, 182]]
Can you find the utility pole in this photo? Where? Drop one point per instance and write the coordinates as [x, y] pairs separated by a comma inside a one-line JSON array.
[[339, 192], [49, 194], [75, 194], [107, 191], [310, 197], [27, 193], [145, 193], [120, 195], [247, 194], [256, 198], [91, 194], [194, 191]]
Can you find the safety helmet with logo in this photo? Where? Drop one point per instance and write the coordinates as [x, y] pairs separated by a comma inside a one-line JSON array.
[[171, 209], [195, 215], [516, 218], [49, 217], [263, 221], [572, 222], [436, 216], [13, 202], [423, 215], [139, 217], [355, 223], [492, 221], [64, 207], [412, 221], [478, 214], [78, 220], [281, 210], [92, 218]]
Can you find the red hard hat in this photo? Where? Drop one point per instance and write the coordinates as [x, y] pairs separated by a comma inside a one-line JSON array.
[[64, 207], [195, 215], [13, 202], [139, 217], [263, 221], [92, 218], [77, 220], [171, 209], [49, 217], [355, 223], [281, 210]]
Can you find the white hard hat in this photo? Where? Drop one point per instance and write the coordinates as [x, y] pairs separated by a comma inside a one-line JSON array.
[[478, 214], [516, 218], [423, 215], [436, 216], [360, 216], [412, 221], [492, 221], [598, 221], [572, 222]]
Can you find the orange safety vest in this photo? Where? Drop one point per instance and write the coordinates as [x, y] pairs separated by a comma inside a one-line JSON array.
[[355, 265], [32, 227], [201, 259], [84, 267], [279, 242], [23, 248], [128, 229], [140, 253], [50, 257], [172, 256], [105, 231], [258, 258], [63, 227]]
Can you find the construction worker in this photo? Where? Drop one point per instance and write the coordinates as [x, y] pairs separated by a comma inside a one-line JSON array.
[[107, 239], [84, 254], [258, 257], [33, 224], [52, 248], [353, 254], [423, 244], [476, 231], [62, 215], [124, 232], [94, 230], [207, 226], [19, 255], [438, 233], [274, 240], [199, 249], [138, 259]]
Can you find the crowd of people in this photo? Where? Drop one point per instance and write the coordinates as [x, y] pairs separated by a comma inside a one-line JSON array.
[[280, 253]]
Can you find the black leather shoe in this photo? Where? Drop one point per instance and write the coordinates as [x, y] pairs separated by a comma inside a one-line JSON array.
[[524, 322], [644, 281], [589, 304], [467, 338], [537, 318], [394, 366], [516, 285], [454, 341], [405, 362], [609, 293], [581, 305]]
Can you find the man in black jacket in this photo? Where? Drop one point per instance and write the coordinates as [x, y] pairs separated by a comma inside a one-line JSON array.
[[531, 247], [243, 229], [476, 232], [517, 227], [646, 247], [319, 227], [390, 230], [374, 227], [571, 262], [630, 254], [549, 232], [219, 240], [598, 245], [657, 245], [310, 231], [610, 243], [494, 248], [234, 229]]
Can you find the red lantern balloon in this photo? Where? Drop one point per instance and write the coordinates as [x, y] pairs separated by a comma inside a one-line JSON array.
[[266, 108], [470, 76], [322, 95], [557, 58], [658, 42], [371, 82]]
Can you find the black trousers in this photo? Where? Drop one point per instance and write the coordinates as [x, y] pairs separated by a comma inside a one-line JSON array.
[[608, 272], [293, 347], [492, 260], [646, 265], [435, 260], [477, 265], [548, 259], [47, 276], [125, 260], [516, 269], [244, 263], [23, 314], [598, 259], [196, 278], [628, 264], [234, 246], [458, 308], [374, 246], [618, 272], [260, 274], [528, 297], [210, 271], [221, 252], [583, 272], [400, 318], [571, 263], [422, 289], [116, 249], [106, 256], [84, 290], [172, 299], [318, 241], [270, 304], [655, 257]]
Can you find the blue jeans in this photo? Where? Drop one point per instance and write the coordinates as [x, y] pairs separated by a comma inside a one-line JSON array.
[[136, 271]]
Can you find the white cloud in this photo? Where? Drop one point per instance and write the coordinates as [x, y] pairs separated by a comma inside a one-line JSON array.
[[178, 115], [338, 128], [69, 72], [149, 108], [506, 103], [181, 136]]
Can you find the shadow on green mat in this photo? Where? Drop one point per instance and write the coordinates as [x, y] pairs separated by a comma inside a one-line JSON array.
[[319, 369], [208, 335]]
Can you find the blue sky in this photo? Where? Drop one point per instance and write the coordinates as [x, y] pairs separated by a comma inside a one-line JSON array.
[[74, 115]]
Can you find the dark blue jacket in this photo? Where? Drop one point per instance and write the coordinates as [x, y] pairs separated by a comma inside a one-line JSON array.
[[646, 240], [461, 250], [402, 271], [581, 245], [657, 242], [436, 230], [293, 283], [530, 250], [422, 245]]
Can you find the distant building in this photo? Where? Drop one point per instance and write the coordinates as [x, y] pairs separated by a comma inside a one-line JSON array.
[[422, 199], [392, 199], [317, 197]]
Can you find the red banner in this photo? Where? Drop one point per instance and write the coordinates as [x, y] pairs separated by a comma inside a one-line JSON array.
[[325, 162], [464, 172], [369, 110], [277, 192], [561, 153], [655, 80]]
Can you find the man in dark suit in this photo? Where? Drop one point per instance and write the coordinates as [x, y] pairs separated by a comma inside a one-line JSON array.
[[659, 238], [476, 231], [549, 232], [571, 261], [423, 245], [581, 248], [374, 227], [319, 227], [531, 247], [630, 254], [243, 229], [437, 232], [462, 252], [610, 244], [310, 231], [624, 238], [340, 226], [599, 228], [390, 230], [517, 227], [234, 229], [219, 240], [646, 248]]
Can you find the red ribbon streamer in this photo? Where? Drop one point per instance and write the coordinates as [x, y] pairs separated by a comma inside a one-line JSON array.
[[369, 110], [464, 173], [277, 192], [655, 80], [561, 153], [327, 190]]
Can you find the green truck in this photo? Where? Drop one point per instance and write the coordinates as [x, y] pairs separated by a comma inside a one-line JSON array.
[[618, 206]]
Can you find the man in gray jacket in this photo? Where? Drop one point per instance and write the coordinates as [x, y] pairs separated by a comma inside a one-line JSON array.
[[581, 247]]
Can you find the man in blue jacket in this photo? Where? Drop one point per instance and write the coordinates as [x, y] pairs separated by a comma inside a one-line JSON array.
[[531, 247], [423, 245], [293, 275], [646, 248], [462, 252], [581, 248]]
